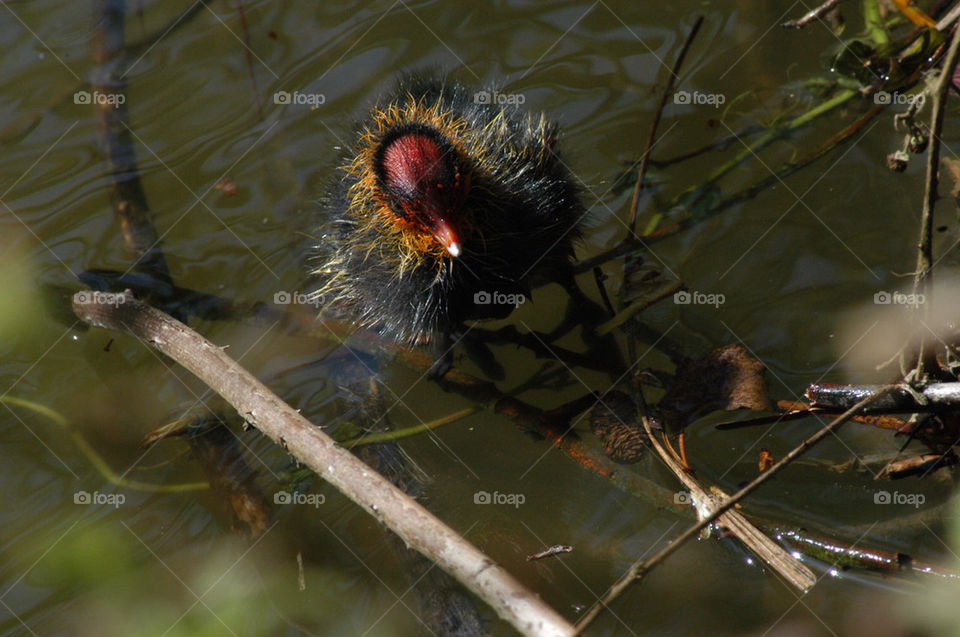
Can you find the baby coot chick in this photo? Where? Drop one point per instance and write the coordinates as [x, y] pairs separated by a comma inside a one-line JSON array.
[[450, 209]]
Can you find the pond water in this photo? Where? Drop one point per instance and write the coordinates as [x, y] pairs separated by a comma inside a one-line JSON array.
[[795, 266]]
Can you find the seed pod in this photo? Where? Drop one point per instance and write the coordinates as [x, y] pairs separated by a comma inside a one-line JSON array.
[[614, 421]]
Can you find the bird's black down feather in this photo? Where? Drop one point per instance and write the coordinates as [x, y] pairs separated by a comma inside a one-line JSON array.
[[523, 211]]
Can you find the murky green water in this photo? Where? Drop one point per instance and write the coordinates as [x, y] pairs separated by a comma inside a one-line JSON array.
[[790, 263]]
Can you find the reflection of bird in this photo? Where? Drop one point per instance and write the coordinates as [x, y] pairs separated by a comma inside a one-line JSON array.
[[450, 209]]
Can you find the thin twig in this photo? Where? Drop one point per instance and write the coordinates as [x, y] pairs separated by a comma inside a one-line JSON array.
[[810, 16], [720, 144], [949, 19], [752, 151], [249, 53], [632, 242], [598, 278], [785, 170], [667, 89], [923, 277], [398, 434], [126, 191], [641, 568]]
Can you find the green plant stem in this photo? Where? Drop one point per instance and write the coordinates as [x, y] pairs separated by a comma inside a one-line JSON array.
[[390, 436], [636, 307], [752, 150], [874, 23], [94, 457], [771, 136]]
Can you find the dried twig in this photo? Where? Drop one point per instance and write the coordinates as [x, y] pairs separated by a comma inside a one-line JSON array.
[[766, 549], [810, 16], [949, 19], [306, 442], [645, 158], [641, 568], [926, 361], [550, 552], [598, 278], [249, 53]]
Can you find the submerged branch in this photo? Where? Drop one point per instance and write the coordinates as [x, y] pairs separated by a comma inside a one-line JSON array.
[[93, 456], [126, 191], [398, 434]]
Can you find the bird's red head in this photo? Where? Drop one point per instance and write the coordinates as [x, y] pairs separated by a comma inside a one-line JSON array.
[[421, 174]]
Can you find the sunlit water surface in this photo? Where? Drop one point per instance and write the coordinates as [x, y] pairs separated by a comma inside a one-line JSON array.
[[790, 264]]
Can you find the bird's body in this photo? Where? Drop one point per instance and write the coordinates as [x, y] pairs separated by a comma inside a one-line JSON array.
[[449, 209]]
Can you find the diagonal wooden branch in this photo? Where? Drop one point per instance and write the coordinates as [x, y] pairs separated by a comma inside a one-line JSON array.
[[310, 446]]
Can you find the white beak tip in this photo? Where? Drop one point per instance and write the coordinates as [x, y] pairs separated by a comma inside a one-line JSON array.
[[454, 249]]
